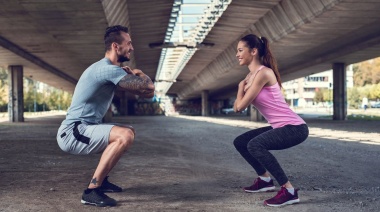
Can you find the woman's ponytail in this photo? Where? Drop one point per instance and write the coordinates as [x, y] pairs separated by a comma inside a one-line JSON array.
[[268, 59], [265, 53]]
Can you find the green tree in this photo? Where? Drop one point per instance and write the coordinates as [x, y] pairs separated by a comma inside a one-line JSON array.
[[28, 95], [353, 97], [3, 76], [33, 95], [367, 72], [375, 92], [66, 100], [364, 91], [52, 101], [3, 90], [318, 96], [327, 95]]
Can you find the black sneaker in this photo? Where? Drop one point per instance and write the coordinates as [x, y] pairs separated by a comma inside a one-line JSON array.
[[97, 197], [109, 187]]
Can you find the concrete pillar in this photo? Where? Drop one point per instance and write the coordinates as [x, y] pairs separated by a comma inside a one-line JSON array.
[[339, 92], [255, 114], [226, 103], [16, 95], [205, 106]]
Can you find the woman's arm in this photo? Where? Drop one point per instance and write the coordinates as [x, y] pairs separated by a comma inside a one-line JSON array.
[[240, 94], [243, 99]]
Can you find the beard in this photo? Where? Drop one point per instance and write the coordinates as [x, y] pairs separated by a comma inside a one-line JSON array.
[[121, 58]]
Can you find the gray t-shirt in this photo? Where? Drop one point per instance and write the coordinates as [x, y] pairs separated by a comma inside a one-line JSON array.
[[94, 92]]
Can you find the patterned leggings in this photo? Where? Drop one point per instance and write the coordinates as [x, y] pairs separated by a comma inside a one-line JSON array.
[[254, 146]]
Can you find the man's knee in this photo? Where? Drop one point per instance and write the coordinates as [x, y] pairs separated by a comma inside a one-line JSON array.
[[126, 138]]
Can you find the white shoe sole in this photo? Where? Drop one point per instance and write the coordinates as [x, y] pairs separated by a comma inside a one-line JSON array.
[[91, 203], [267, 189], [87, 203], [290, 202]]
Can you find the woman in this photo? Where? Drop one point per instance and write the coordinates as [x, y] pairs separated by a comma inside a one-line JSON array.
[[262, 89]]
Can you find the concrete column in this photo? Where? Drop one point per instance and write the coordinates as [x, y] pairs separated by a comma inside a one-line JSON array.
[[205, 106], [339, 92], [16, 95], [226, 103], [255, 114]]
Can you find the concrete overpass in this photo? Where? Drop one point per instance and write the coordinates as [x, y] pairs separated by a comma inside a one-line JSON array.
[[54, 41]]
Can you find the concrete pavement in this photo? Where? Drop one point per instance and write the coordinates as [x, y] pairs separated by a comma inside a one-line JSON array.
[[188, 163]]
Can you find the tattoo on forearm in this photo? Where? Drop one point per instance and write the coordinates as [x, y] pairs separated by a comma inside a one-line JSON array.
[[94, 181], [138, 84]]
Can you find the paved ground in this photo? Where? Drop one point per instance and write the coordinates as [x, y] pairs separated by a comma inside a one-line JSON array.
[[188, 163]]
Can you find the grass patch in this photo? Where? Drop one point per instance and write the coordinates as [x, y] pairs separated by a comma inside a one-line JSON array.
[[363, 117], [356, 117]]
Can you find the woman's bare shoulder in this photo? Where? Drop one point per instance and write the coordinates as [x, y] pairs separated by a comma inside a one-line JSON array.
[[268, 75]]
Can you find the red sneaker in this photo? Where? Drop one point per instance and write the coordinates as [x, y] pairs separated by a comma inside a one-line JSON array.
[[283, 197], [260, 185]]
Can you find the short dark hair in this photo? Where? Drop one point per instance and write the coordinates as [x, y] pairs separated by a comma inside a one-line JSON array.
[[113, 35]]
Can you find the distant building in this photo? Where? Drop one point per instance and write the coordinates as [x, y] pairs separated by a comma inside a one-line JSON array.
[[300, 92]]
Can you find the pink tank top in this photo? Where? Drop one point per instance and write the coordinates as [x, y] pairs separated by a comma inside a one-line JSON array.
[[271, 104]]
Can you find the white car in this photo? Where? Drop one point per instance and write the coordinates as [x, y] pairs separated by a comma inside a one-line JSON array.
[[231, 110], [376, 105], [227, 110]]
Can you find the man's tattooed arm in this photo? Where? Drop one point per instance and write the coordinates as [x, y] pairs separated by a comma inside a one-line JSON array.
[[140, 85]]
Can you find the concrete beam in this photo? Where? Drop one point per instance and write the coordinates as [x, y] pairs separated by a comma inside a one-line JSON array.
[[303, 39], [353, 42], [276, 24], [26, 55]]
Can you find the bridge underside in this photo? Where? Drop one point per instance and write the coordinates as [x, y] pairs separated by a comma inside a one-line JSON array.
[[55, 41]]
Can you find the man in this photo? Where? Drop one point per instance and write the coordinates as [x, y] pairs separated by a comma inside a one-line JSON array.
[[82, 131]]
